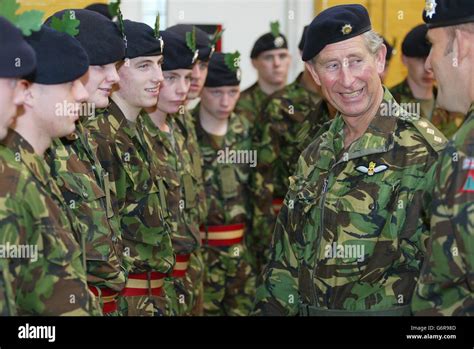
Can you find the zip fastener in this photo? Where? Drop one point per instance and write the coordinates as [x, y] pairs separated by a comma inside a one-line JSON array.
[[321, 204]]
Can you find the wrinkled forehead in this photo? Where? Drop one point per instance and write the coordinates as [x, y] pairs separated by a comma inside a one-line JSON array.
[[355, 46]]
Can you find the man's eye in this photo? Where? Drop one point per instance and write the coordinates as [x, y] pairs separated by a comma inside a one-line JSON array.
[[332, 66], [143, 66]]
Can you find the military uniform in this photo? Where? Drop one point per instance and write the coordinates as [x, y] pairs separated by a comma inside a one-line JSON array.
[[284, 128], [11, 37], [251, 102], [33, 207], [229, 285], [140, 195], [446, 122], [86, 189], [351, 235], [446, 284]]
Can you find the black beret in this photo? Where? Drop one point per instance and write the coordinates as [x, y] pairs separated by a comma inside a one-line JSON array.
[[99, 36], [203, 43], [415, 43], [443, 13], [60, 57], [268, 42], [17, 58], [303, 38], [333, 25], [389, 54], [103, 9], [141, 40], [220, 74], [177, 55]]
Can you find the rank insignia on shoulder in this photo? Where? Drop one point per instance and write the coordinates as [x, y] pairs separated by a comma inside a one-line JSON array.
[[469, 183], [372, 169]]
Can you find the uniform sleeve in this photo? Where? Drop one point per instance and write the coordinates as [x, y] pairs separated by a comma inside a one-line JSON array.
[[445, 286], [278, 294]]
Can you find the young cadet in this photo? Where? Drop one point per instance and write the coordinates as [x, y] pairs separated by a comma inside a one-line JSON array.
[[15, 49], [54, 281], [159, 122], [271, 58], [128, 159], [229, 285], [83, 182]]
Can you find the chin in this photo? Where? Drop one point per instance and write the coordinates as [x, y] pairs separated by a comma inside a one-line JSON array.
[[3, 132]]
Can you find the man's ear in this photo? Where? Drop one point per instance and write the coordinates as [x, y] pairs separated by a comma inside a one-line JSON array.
[[254, 63], [310, 66], [380, 59], [461, 45], [23, 93]]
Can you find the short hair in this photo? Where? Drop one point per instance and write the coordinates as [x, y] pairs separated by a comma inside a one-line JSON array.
[[451, 31]]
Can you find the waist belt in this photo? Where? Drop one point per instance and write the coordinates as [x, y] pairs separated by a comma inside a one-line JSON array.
[[144, 284], [277, 205], [222, 235], [182, 262], [108, 297], [310, 310]]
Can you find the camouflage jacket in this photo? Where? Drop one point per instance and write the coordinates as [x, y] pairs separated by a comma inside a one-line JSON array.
[[184, 131], [85, 187], [139, 190], [251, 102], [226, 183], [446, 122], [7, 298], [284, 128], [446, 285], [34, 213], [351, 233], [182, 195]]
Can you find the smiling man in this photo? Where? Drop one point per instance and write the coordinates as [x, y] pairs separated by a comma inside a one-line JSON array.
[[128, 159], [358, 191]]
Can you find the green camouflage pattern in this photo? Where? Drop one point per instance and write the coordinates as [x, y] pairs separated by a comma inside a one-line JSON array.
[[7, 298], [285, 127], [182, 198], [446, 284], [33, 213], [251, 102], [447, 123], [229, 285], [140, 196], [352, 231], [86, 190]]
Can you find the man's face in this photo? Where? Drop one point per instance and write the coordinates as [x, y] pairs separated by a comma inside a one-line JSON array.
[[198, 78], [140, 80], [174, 89], [98, 82], [272, 66], [57, 107], [11, 96], [220, 101], [442, 61], [417, 72], [349, 75]]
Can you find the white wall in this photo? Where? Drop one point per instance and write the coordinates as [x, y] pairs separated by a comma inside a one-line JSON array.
[[244, 21]]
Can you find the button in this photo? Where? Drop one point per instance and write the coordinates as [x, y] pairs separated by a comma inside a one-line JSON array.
[[371, 206], [145, 187]]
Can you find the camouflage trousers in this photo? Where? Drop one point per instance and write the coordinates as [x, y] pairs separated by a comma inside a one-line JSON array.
[[229, 281], [143, 305], [186, 293]]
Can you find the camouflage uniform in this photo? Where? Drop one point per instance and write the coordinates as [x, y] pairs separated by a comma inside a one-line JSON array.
[[85, 188], [446, 285], [350, 236], [446, 122], [229, 285], [33, 213], [284, 128], [140, 196], [251, 102], [7, 298], [182, 197], [183, 125]]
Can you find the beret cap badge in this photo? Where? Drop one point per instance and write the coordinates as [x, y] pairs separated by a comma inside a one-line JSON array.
[[430, 8], [346, 29], [279, 41]]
